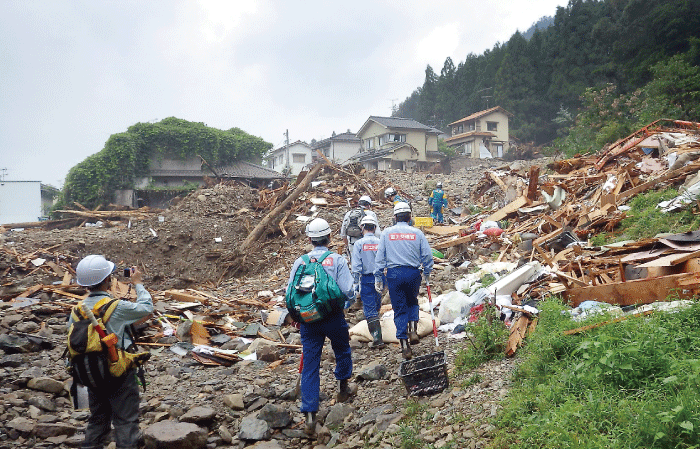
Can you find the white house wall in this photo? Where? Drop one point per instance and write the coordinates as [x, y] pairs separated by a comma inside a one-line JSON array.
[[20, 201]]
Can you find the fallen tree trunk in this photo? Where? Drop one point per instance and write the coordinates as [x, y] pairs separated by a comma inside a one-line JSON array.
[[265, 222]]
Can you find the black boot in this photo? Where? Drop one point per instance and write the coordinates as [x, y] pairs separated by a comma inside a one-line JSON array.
[[310, 426], [406, 349], [345, 391], [413, 332], [375, 329]]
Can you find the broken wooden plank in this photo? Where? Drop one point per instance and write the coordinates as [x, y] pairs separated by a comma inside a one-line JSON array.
[[184, 297], [638, 291], [517, 334], [510, 208], [455, 242], [578, 330]]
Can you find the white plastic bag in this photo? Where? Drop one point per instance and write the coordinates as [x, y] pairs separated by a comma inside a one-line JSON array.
[[453, 305]]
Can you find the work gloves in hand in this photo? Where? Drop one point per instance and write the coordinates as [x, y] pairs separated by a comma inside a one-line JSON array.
[[426, 278], [356, 290]]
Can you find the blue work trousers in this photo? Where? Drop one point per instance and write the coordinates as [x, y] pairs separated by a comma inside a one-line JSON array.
[[437, 212], [371, 300], [313, 336], [403, 283], [116, 405]]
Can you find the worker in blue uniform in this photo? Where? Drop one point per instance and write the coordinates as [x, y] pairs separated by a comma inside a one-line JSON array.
[[437, 199], [334, 327], [363, 266], [402, 251]]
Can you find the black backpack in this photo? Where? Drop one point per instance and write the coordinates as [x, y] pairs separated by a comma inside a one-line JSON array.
[[353, 229]]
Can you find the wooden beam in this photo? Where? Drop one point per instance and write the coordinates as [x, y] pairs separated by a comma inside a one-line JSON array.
[[455, 242], [260, 228], [578, 330], [510, 208], [532, 183], [638, 291]]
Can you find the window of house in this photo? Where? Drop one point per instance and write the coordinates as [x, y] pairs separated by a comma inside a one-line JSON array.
[[298, 158], [468, 148], [459, 129], [471, 126], [499, 150], [369, 143], [387, 138], [491, 126]]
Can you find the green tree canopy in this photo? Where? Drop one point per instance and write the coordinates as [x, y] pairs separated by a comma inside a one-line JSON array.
[[126, 156]]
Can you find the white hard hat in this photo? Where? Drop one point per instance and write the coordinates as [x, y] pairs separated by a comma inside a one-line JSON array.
[[93, 269], [389, 192], [365, 199], [318, 227], [369, 219], [401, 207], [438, 185]]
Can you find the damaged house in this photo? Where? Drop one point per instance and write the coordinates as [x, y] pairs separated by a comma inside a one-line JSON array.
[[483, 134]]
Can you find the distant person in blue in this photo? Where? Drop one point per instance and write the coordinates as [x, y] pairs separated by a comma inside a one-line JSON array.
[[438, 200], [363, 266], [334, 327], [402, 250]]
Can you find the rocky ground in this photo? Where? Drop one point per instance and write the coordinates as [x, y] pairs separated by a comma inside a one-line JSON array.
[[249, 403]]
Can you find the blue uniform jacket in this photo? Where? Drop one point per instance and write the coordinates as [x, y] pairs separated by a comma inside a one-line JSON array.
[[335, 265], [403, 245], [363, 254]]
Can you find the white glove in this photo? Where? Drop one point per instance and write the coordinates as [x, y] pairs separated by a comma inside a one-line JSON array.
[[426, 278], [378, 286], [356, 289]]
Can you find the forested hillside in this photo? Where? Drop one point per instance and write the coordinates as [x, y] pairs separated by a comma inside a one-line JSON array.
[[601, 69]]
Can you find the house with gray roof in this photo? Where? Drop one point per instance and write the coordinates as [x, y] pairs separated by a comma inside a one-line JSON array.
[[338, 148], [397, 143]]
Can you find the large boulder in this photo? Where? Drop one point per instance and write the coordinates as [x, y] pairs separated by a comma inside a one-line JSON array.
[[175, 435]]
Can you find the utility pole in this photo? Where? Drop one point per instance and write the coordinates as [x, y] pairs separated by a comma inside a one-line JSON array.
[[286, 146], [4, 173], [485, 97]]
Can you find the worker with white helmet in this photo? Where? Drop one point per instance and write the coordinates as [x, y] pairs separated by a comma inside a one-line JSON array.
[[438, 200], [402, 251], [350, 230], [118, 405], [363, 267], [392, 195], [334, 327]]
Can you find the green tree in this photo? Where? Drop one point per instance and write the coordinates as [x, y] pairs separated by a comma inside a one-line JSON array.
[[127, 155]]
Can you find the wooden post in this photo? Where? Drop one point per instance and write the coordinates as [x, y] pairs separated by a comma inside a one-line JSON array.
[[260, 228]]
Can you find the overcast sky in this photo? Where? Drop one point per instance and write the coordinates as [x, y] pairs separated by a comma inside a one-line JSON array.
[[74, 72]]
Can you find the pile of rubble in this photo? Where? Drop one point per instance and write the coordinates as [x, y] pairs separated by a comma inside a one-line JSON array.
[[224, 370]]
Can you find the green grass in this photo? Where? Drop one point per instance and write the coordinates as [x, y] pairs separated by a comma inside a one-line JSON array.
[[644, 220], [633, 384], [486, 340]]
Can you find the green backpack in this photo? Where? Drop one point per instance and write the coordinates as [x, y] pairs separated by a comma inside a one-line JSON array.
[[313, 294]]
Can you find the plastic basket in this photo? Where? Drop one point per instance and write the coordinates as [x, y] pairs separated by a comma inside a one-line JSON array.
[[424, 375], [426, 222]]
